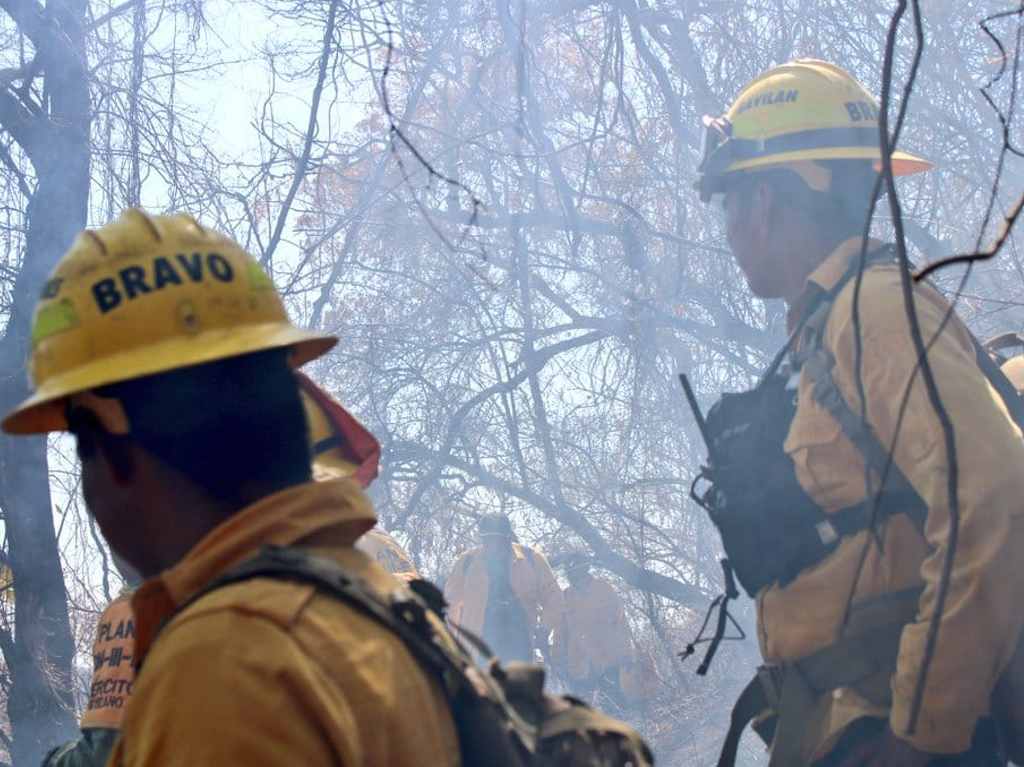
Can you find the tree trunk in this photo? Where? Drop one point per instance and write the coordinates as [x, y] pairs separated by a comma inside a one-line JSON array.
[[39, 658]]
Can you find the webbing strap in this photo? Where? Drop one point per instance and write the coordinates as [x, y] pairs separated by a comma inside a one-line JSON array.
[[856, 519], [818, 363], [406, 616], [864, 659], [750, 704], [859, 432], [813, 138], [404, 613]]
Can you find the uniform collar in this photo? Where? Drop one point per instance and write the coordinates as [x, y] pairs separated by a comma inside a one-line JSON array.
[[333, 513], [826, 276]]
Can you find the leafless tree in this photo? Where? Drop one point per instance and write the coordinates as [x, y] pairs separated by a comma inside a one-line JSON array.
[[491, 204]]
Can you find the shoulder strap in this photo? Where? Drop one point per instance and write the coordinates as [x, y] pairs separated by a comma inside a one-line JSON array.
[[404, 612], [817, 362]]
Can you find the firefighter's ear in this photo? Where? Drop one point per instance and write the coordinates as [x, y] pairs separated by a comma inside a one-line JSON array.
[[100, 449]]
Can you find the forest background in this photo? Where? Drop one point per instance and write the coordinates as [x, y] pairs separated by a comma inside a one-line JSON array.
[[513, 339]]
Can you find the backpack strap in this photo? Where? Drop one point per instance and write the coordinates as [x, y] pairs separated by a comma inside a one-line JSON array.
[[404, 612], [816, 362]]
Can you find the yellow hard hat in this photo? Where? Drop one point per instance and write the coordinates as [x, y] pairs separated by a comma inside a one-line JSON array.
[[144, 295], [800, 112]]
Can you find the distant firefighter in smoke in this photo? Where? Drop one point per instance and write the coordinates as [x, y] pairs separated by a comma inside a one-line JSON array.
[[594, 646], [505, 592]]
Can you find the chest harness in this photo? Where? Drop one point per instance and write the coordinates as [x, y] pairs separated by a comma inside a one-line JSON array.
[[771, 529]]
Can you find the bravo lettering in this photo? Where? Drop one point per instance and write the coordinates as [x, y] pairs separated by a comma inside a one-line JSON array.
[[134, 281]]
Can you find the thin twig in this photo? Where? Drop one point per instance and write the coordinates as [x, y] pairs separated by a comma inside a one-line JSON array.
[[397, 135], [968, 258], [311, 131]]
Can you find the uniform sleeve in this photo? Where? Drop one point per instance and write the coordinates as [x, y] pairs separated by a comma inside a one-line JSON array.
[[204, 699], [981, 618], [549, 593]]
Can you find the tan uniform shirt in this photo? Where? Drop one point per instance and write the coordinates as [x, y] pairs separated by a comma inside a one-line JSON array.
[[982, 616], [269, 672], [532, 581]]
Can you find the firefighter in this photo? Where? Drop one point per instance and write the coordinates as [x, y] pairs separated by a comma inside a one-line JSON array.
[[594, 647], [166, 351], [844, 613], [111, 685], [341, 447], [505, 592]]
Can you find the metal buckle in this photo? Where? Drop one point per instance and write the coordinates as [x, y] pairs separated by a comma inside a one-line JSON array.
[[827, 532]]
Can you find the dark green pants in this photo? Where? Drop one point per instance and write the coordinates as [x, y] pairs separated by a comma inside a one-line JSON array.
[[90, 750]]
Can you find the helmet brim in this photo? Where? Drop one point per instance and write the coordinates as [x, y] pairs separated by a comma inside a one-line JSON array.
[[903, 164], [44, 410]]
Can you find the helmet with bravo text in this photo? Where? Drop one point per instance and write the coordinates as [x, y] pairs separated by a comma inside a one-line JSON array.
[[145, 295], [797, 115]]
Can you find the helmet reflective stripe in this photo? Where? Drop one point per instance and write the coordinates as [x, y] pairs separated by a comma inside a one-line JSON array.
[[737, 149]]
